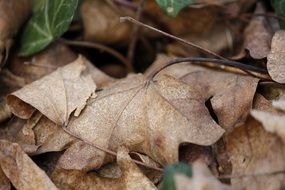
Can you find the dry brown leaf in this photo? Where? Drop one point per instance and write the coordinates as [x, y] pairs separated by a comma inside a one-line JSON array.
[[151, 117], [33, 68], [4, 181], [131, 178], [231, 95], [271, 119], [258, 35], [8, 83], [254, 152], [23, 173], [56, 95], [202, 179], [279, 104], [99, 13], [276, 57], [216, 40], [192, 21], [13, 14], [271, 123]]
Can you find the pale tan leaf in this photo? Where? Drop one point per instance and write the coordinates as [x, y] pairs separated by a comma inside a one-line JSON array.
[[202, 179], [23, 173], [271, 119], [253, 152], [56, 95], [130, 179], [258, 36], [276, 57], [151, 117], [279, 104], [231, 95]]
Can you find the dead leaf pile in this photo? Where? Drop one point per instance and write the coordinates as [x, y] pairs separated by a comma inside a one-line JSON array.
[[65, 124]]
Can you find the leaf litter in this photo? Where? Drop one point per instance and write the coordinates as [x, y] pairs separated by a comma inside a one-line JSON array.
[[75, 127]]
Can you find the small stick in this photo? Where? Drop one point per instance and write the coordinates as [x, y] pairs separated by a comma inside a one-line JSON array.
[[109, 151], [209, 52], [200, 59], [99, 47], [40, 65]]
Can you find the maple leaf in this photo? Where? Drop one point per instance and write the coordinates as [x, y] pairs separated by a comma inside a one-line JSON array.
[[231, 95], [151, 117]]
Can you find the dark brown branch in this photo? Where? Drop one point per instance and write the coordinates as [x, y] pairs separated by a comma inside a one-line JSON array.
[[209, 52], [196, 60], [99, 47]]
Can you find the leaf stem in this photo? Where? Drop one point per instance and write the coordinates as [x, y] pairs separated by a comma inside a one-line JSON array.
[[201, 59], [98, 46], [209, 52], [109, 151]]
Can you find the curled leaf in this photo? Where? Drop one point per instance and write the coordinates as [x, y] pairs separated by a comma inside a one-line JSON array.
[[56, 95]]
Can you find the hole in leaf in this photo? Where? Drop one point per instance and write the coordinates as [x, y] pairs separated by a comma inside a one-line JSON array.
[[211, 110]]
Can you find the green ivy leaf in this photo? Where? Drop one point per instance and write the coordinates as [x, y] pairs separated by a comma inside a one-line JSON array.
[[38, 5], [173, 7], [168, 182], [50, 20], [279, 7]]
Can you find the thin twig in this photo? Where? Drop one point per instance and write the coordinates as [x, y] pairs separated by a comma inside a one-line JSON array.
[[40, 65], [134, 38], [209, 52], [200, 59], [109, 151], [99, 47]]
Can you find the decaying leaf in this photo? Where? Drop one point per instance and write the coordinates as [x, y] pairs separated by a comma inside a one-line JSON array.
[[10, 22], [96, 13], [276, 57], [255, 155], [56, 95], [258, 35], [151, 117], [231, 95], [271, 119], [131, 178], [21, 170], [202, 179], [8, 83], [41, 64]]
